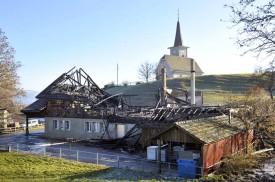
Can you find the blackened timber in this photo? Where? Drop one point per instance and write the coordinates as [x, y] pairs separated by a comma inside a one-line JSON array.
[[127, 135], [105, 131], [153, 118], [78, 86], [163, 114], [170, 113], [177, 100]]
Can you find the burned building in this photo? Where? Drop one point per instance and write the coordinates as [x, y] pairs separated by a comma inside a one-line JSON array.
[[75, 107]]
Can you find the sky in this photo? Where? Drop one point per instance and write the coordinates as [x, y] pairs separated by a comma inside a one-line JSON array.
[[51, 37]]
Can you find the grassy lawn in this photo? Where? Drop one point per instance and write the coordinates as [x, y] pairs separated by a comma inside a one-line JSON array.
[[22, 167], [220, 98]]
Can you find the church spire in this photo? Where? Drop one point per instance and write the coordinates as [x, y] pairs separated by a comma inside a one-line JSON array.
[[178, 40], [178, 49]]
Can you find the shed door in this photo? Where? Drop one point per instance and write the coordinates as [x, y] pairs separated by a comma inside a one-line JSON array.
[[120, 130]]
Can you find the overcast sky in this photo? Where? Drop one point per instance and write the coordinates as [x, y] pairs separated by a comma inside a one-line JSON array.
[[50, 37]]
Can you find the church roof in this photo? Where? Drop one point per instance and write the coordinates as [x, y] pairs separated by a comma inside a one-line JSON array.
[[178, 40], [183, 64]]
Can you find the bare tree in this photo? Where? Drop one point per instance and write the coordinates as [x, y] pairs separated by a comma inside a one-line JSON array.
[[147, 71], [255, 20], [9, 80], [265, 78]]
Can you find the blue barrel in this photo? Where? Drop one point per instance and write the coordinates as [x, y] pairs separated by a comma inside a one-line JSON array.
[[187, 168]]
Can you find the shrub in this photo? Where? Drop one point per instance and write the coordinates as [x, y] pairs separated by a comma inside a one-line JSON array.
[[241, 162]]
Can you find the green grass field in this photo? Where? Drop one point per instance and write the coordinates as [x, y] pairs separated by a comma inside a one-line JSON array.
[[217, 89], [23, 167]]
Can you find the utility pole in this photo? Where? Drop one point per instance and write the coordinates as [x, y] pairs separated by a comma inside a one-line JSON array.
[[117, 74], [163, 96]]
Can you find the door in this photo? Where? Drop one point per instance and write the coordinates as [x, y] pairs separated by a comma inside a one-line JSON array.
[[120, 130]]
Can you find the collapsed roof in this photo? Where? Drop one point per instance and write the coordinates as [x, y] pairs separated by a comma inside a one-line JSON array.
[[77, 86], [74, 85]]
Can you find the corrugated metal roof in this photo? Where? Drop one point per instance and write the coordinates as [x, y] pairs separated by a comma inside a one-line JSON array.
[[181, 64], [211, 129]]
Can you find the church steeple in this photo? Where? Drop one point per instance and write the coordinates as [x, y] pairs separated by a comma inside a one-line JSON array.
[[178, 40], [178, 49]]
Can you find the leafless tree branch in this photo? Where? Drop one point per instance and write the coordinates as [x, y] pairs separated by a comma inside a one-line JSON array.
[[147, 71]]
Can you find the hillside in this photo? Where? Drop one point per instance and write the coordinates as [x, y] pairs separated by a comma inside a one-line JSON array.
[[217, 89]]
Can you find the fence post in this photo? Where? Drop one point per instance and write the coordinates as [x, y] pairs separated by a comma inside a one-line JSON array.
[[44, 152], [117, 161], [17, 148], [9, 148], [76, 155], [70, 151], [30, 149], [60, 153], [96, 158]]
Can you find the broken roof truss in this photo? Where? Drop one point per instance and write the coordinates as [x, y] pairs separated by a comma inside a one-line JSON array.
[[77, 85]]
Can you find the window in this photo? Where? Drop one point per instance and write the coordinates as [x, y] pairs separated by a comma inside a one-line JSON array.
[[67, 125], [55, 124], [96, 127], [61, 125], [88, 126]]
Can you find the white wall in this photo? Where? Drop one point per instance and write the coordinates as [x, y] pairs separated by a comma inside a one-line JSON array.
[[77, 129], [176, 51], [163, 64]]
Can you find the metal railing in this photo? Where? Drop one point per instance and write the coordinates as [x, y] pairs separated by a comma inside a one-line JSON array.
[[9, 130], [119, 161]]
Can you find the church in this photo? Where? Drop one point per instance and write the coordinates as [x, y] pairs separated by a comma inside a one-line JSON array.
[[177, 64]]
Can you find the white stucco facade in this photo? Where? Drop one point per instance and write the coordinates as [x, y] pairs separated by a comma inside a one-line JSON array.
[[83, 128], [163, 64]]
